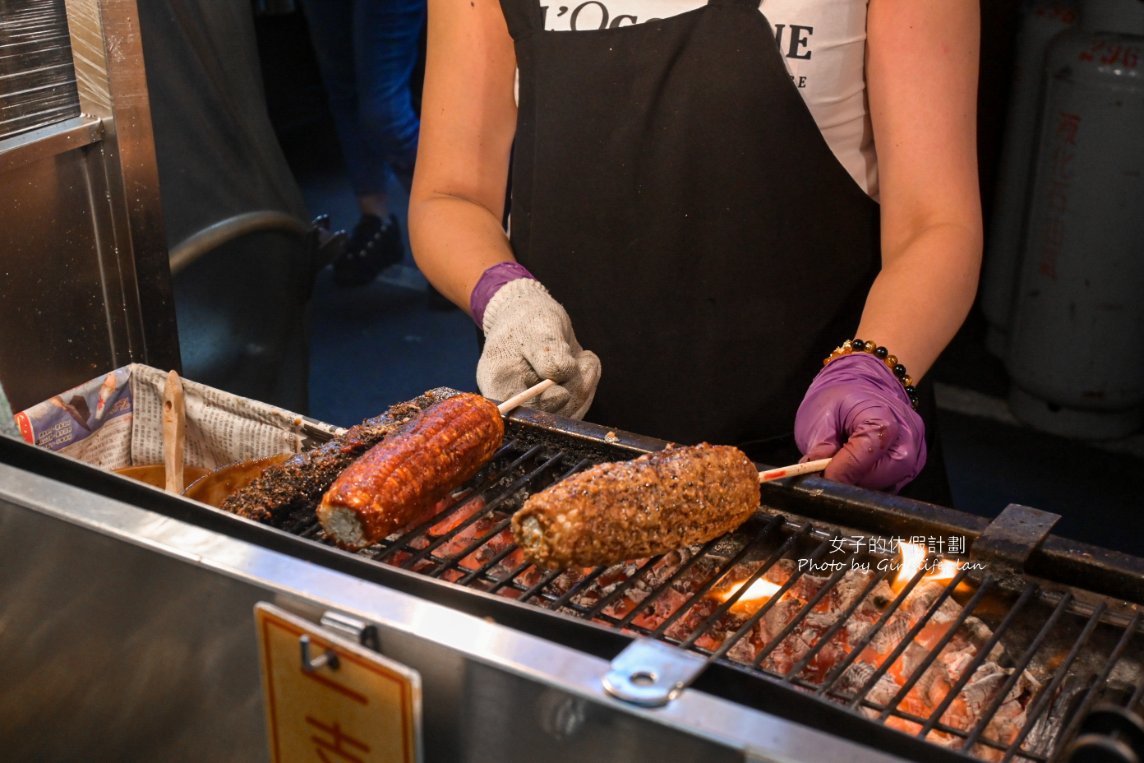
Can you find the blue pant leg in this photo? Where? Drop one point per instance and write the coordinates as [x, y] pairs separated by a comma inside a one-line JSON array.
[[388, 35], [334, 38]]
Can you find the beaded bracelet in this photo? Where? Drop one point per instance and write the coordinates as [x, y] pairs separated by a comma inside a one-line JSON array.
[[891, 361]]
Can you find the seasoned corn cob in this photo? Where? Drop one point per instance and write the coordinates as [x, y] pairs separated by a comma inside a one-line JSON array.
[[633, 509]]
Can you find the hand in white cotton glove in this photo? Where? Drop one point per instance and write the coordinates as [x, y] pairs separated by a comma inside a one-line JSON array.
[[528, 337]]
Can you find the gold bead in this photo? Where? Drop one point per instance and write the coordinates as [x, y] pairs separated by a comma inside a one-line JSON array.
[[907, 381], [891, 360]]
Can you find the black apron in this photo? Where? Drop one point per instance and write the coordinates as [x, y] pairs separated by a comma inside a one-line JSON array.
[[672, 190]]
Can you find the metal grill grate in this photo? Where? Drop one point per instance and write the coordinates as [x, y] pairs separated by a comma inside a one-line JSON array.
[[1020, 670]]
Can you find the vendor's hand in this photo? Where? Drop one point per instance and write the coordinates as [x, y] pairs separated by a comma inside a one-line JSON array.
[[528, 337], [857, 412]]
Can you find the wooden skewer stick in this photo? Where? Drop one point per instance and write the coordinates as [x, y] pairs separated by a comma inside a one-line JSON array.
[[523, 397], [793, 470], [174, 432]]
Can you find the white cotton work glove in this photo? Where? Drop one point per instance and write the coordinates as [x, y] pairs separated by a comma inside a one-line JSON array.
[[528, 337]]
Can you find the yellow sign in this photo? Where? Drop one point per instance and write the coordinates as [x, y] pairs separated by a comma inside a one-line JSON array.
[[350, 705]]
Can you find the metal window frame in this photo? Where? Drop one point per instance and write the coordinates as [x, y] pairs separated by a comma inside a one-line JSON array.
[[80, 205]]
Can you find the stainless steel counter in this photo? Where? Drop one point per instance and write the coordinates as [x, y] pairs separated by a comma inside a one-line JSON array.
[[133, 638]]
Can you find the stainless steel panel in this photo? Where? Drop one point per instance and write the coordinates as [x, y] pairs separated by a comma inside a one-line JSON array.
[[85, 283], [108, 54], [134, 632], [62, 314], [121, 654], [36, 145]]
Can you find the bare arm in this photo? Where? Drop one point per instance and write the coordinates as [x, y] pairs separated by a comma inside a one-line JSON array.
[[468, 117], [921, 74]]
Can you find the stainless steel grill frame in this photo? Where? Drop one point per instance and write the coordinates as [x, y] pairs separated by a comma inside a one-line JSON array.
[[540, 450], [1067, 583]]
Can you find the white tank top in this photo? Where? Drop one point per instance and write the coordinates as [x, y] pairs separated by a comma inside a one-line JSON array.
[[823, 43]]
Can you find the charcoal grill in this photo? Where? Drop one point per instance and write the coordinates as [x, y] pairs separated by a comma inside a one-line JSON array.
[[1093, 642], [1059, 621]]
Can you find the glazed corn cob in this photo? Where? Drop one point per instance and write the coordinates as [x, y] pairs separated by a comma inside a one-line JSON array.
[[398, 480]]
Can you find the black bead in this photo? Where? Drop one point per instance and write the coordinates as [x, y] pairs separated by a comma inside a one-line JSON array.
[[912, 392], [899, 370], [914, 402], [881, 352], [858, 345]]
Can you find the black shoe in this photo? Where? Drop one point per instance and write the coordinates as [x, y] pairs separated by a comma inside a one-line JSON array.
[[374, 245]]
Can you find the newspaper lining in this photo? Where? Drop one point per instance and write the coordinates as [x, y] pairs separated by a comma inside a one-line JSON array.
[[116, 420]]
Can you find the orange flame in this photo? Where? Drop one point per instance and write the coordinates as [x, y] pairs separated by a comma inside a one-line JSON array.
[[913, 557], [759, 592]]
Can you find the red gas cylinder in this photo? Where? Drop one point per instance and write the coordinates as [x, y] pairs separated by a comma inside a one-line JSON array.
[[1077, 331], [1040, 21]]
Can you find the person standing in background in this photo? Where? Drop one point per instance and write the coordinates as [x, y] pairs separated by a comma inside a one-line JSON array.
[[367, 51]]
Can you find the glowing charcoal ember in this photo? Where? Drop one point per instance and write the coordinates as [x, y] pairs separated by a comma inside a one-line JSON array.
[[652, 579], [932, 687], [618, 609], [651, 616], [485, 551], [928, 692], [456, 517], [403, 558], [697, 600]]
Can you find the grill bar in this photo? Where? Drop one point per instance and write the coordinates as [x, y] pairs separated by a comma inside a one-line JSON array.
[[798, 618], [982, 653], [506, 581], [1021, 665], [904, 642], [1041, 701], [479, 541], [771, 602], [730, 642], [459, 500], [551, 575], [734, 598], [714, 579], [544, 582], [578, 587], [839, 624], [925, 664], [687, 566], [1137, 695], [450, 561], [1102, 678], [622, 589], [841, 668], [489, 508]]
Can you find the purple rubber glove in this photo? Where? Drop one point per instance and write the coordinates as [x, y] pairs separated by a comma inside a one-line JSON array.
[[857, 412]]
